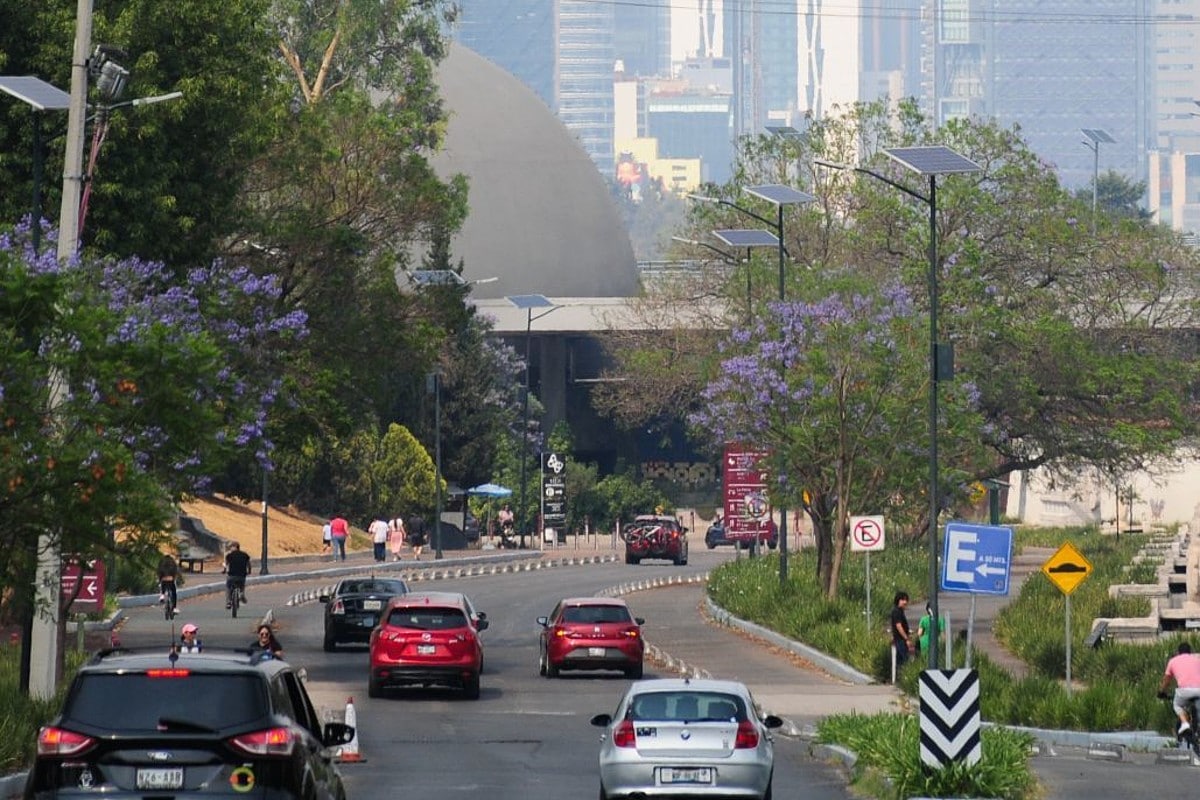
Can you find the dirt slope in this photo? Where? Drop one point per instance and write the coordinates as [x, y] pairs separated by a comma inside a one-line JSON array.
[[289, 531]]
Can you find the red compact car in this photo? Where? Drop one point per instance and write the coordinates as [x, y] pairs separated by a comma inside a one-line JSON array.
[[427, 639], [591, 633], [655, 536]]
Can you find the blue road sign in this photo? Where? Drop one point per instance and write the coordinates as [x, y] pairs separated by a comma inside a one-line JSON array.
[[976, 558]]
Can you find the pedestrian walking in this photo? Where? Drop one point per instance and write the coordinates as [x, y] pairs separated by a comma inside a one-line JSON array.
[[396, 537], [379, 539], [339, 530], [417, 536], [326, 539]]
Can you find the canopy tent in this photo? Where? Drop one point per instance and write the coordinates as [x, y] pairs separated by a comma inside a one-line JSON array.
[[490, 490]]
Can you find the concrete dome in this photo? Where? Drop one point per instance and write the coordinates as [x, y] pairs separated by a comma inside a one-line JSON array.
[[541, 218]]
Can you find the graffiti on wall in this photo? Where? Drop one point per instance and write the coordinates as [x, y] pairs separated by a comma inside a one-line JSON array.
[[686, 473]]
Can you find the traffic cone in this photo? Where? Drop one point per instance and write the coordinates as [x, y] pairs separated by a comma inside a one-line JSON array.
[[349, 752]]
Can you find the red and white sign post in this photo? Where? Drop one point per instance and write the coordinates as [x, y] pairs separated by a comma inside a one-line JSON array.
[[89, 577], [866, 535], [747, 510]]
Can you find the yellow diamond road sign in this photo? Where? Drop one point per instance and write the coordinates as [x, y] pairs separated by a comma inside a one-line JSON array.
[[1067, 568]]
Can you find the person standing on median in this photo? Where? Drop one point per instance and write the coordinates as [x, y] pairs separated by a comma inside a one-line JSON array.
[[339, 529], [898, 622]]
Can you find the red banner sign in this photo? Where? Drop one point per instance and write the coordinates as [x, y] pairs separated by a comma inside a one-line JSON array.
[[89, 577], [747, 511]]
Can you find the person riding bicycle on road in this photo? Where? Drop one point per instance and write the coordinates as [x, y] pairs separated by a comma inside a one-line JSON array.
[[168, 575], [237, 567], [1184, 669]]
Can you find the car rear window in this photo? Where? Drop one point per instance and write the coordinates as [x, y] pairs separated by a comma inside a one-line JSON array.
[[596, 614], [687, 706], [374, 587], [137, 701], [428, 618]]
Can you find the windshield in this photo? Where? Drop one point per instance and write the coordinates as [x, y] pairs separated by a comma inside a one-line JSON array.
[[374, 587]]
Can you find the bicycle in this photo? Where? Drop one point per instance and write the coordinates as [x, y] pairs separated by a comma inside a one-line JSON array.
[[235, 589], [170, 601], [1187, 740]]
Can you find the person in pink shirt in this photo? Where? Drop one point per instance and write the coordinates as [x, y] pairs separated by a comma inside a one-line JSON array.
[[340, 530], [1184, 669]]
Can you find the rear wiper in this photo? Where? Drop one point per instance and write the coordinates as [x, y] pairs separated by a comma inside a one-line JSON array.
[[169, 724]]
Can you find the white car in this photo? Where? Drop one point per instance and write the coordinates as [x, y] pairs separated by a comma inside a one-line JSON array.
[[686, 736]]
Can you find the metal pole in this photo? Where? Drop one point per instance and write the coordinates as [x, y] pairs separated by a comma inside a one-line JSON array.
[[933, 423], [1095, 181], [525, 425], [262, 569], [35, 233], [437, 426], [783, 537], [1068, 645]]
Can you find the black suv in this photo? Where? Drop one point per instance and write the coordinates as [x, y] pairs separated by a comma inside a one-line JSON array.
[[136, 724]]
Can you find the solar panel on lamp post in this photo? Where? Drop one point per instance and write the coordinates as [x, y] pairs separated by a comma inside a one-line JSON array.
[[41, 97], [528, 302], [778, 195], [1095, 137], [928, 162]]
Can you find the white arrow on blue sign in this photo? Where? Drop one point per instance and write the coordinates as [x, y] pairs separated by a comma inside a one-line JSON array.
[[976, 558]]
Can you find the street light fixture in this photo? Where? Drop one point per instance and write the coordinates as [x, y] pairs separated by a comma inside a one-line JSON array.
[[41, 97], [727, 258], [1095, 137], [928, 162], [778, 195], [528, 302]]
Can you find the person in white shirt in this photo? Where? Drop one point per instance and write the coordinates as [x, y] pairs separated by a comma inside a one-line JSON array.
[[379, 539]]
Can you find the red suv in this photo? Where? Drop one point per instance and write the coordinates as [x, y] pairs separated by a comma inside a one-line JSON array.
[[654, 536], [591, 633], [427, 639]]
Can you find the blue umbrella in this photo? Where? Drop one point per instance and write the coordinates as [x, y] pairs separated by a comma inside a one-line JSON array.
[[490, 490]]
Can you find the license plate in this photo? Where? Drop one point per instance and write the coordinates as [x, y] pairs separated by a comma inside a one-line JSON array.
[[155, 779], [596, 652], [687, 775], [372, 605], [367, 621], [426, 649]]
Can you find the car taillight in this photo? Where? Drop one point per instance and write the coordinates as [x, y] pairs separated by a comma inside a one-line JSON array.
[[338, 607], [747, 735], [624, 736], [269, 742], [631, 633], [58, 742]]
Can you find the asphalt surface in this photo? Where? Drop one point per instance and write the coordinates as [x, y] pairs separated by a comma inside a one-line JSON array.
[[691, 636]]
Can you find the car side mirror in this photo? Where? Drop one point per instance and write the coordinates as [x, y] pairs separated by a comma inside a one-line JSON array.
[[543, 621], [481, 624], [772, 721], [323, 598], [640, 620], [602, 720], [337, 733]]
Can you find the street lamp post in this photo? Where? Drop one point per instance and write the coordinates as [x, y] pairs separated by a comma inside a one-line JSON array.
[[1094, 138], [433, 385], [528, 302], [41, 97], [778, 195], [928, 162]]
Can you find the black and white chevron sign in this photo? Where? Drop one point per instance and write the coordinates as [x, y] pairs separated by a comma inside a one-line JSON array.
[[949, 717]]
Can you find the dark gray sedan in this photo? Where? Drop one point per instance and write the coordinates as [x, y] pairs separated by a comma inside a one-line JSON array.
[[353, 607]]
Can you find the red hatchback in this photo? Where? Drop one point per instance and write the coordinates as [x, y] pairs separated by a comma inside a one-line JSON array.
[[591, 633], [427, 639]]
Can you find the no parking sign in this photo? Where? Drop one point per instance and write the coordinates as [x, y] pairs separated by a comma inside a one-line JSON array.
[[866, 534]]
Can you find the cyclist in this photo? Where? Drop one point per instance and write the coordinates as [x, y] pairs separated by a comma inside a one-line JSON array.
[[1184, 669], [168, 572], [265, 644], [237, 567]]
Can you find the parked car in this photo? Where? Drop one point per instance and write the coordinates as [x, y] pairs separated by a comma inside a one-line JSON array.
[[715, 537], [591, 633], [194, 725], [427, 639], [655, 536], [685, 736], [353, 608]]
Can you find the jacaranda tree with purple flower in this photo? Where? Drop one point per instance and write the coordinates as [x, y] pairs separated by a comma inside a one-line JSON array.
[[835, 388], [121, 389]]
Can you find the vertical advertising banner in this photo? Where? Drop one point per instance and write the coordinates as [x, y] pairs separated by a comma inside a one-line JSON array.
[[554, 490], [747, 511]]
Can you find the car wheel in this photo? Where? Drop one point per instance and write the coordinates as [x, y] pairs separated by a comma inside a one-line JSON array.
[[630, 558], [635, 673], [772, 545], [330, 643], [542, 664], [710, 544], [471, 687], [551, 669], [373, 688], [603, 796], [767, 793]]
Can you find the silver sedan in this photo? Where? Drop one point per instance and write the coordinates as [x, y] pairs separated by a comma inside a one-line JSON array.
[[686, 736]]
